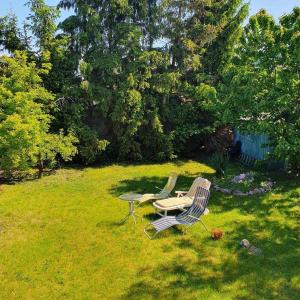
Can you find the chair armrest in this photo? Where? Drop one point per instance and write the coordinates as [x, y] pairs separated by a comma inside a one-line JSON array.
[[180, 193]]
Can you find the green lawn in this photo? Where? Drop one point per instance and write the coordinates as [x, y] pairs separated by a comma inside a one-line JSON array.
[[60, 239]]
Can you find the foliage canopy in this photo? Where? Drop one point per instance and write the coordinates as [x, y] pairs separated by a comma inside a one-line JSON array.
[[25, 140], [261, 89], [152, 80]]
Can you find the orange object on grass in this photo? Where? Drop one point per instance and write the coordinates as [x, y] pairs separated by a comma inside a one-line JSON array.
[[217, 234]]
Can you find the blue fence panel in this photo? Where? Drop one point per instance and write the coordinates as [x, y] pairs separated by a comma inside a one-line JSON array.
[[253, 144]]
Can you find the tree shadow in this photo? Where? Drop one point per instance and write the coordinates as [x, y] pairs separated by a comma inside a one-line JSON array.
[[203, 266], [253, 273], [24, 177], [152, 184]]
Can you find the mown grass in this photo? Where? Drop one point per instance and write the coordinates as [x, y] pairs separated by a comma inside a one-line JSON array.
[[60, 238]]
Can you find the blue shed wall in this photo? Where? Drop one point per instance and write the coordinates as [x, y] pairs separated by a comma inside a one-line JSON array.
[[253, 144]]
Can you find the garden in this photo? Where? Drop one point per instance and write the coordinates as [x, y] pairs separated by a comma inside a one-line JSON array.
[[61, 238], [149, 150]]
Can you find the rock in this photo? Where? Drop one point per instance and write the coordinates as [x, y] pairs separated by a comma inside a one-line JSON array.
[[251, 249], [267, 185], [254, 250], [256, 191], [245, 243], [239, 193], [242, 177], [239, 178], [225, 191]]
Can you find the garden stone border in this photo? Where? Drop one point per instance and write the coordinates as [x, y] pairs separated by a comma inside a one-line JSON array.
[[260, 190]]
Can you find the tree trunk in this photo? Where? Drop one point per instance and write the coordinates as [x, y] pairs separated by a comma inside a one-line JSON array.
[[40, 167]]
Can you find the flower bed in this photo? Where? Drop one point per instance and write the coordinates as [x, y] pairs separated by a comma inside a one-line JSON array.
[[244, 184]]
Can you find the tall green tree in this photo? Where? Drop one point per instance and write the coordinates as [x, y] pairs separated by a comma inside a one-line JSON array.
[[25, 141], [147, 77], [50, 46], [261, 90], [115, 41], [43, 23], [12, 38], [201, 36]]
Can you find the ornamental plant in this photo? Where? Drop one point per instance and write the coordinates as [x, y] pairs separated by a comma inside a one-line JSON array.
[[25, 137]]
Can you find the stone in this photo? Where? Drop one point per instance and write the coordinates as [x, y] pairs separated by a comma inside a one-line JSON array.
[[245, 243], [239, 193], [267, 185], [254, 250], [239, 178], [256, 191], [242, 177], [251, 249], [225, 191]]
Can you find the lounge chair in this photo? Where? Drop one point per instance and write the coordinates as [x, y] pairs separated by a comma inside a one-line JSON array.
[[187, 218], [184, 198], [164, 193]]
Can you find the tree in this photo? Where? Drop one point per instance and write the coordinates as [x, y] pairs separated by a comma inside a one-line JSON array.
[[11, 37], [25, 140], [118, 67], [150, 101], [261, 90], [43, 23], [201, 36]]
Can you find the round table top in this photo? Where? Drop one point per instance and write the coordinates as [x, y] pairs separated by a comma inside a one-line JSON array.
[[131, 197]]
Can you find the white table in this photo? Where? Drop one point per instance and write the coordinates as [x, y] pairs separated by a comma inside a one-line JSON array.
[[131, 198]]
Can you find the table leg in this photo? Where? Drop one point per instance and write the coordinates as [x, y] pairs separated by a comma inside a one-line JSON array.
[[131, 212], [125, 219], [131, 207]]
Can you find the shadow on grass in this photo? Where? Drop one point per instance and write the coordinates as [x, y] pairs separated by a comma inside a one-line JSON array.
[[19, 177], [203, 266], [268, 277], [281, 198], [152, 184]]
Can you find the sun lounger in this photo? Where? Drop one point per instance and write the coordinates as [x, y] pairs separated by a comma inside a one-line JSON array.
[[186, 218], [164, 193], [183, 200]]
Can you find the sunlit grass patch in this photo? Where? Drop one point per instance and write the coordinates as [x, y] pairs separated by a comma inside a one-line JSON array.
[[61, 238]]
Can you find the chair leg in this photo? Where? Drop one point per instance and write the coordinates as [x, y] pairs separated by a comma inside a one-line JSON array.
[[147, 234], [204, 226], [161, 213]]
